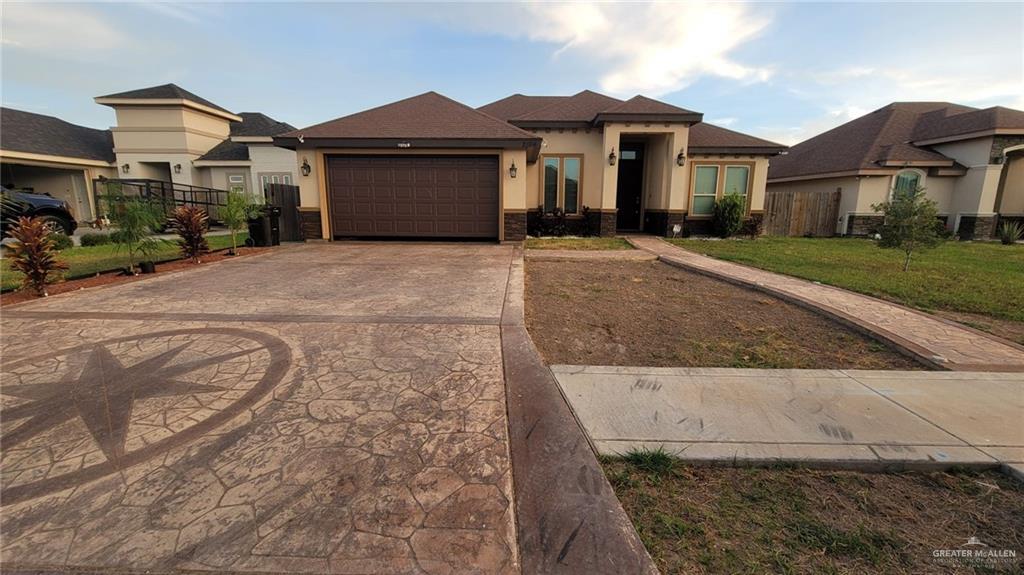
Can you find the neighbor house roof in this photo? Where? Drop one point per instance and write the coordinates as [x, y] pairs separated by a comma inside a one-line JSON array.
[[877, 141], [427, 120], [711, 139], [162, 92], [226, 151], [584, 109], [255, 124], [941, 124], [38, 134]]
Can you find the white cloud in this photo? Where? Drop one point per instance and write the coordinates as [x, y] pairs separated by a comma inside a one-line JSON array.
[[648, 48], [722, 121], [67, 30]]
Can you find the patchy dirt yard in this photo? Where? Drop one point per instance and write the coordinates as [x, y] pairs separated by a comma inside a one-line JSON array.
[[785, 520], [651, 314]]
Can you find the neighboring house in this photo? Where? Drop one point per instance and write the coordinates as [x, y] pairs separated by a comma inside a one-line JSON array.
[[163, 133], [429, 166], [970, 161]]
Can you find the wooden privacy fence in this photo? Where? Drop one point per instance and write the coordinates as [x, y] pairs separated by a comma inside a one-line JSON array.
[[801, 213]]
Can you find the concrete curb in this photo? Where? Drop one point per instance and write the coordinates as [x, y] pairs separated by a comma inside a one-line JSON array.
[[568, 517]]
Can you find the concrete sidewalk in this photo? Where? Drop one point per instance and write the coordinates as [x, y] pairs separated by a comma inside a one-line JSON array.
[[859, 419], [943, 343]]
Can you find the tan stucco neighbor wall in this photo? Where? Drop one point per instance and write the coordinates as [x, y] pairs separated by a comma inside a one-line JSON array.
[[1012, 202]]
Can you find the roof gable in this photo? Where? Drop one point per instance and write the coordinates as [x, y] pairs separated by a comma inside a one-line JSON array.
[[644, 105], [226, 151], [427, 116], [581, 107], [708, 138], [39, 134], [949, 123], [163, 92]]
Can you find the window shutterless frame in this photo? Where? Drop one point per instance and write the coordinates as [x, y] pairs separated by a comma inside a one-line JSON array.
[[722, 170], [566, 165]]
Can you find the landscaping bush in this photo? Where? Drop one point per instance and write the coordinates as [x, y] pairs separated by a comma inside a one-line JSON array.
[[1010, 232], [136, 218], [237, 212], [911, 223], [34, 254], [95, 240], [191, 224], [753, 226], [61, 241], [727, 218]]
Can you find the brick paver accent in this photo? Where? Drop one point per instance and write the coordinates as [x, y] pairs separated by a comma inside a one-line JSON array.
[[937, 341]]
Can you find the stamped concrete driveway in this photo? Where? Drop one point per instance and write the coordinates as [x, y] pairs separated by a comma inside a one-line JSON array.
[[323, 408]]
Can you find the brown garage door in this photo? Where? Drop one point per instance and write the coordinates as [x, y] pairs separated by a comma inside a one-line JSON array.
[[423, 196]]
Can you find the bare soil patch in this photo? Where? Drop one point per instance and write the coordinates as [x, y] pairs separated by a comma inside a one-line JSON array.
[[787, 520], [651, 314], [1005, 328], [112, 278]]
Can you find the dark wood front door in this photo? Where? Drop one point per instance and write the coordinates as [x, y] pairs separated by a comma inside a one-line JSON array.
[[630, 188], [413, 196]]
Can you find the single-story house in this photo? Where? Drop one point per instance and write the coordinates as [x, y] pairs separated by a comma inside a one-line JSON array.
[[969, 160], [429, 166], [162, 133]]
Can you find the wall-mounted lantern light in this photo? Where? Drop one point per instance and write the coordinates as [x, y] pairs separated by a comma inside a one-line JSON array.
[[612, 157], [177, 168], [513, 170], [125, 168], [681, 158], [306, 168]]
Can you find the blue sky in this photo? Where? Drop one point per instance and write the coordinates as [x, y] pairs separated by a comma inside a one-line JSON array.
[[784, 71]]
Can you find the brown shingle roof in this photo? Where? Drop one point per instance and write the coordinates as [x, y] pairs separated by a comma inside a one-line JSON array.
[[517, 105], [945, 123], [863, 143], [164, 92], [644, 105], [428, 116], [581, 107], [38, 134], [708, 138], [227, 151]]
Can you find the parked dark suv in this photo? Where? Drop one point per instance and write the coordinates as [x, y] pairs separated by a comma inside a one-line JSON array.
[[14, 204]]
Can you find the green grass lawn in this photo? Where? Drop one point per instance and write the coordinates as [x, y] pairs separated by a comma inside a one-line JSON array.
[[577, 244], [977, 278], [88, 261]]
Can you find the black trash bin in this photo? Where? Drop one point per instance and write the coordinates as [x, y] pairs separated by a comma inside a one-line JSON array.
[[265, 230]]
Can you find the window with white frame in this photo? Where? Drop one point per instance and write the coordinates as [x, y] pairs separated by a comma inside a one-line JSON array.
[[561, 179], [705, 188], [236, 183]]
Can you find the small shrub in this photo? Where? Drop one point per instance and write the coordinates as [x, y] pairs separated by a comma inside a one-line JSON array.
[[753, 226], [237, 212], [34, 254], [61, 241], [95, 240], [727, 218], [911, 223], [1010, 232], [136, 218], [191, 224]]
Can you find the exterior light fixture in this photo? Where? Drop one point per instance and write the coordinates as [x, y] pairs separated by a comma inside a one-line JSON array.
[[512, 171], [612, 157], [177, 168], [306, 168], [125, 168], [681, 158]]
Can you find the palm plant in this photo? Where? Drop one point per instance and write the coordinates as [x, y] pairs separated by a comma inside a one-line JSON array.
[[1010, 232], [136, 218], [191, 223], [34, 254]]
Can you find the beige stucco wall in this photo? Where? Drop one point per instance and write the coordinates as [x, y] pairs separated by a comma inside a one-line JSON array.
[[970, 153], [1012, 202], [570, 141], [217, 177], [975, 192], [675, 179]]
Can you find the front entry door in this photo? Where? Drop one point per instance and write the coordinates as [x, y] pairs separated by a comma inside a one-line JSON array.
[[630, 188]]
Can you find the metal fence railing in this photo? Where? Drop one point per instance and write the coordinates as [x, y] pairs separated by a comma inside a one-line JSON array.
[[169, 195]]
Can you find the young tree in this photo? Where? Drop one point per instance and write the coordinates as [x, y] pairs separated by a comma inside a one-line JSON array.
[[34, 254], [136, 219], [911, 223], [237, 212], [191, 222]]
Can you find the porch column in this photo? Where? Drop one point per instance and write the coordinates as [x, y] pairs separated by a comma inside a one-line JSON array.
[[677, 184], [610, 179]]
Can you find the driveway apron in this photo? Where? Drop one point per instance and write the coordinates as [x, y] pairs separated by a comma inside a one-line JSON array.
[[320, 409]]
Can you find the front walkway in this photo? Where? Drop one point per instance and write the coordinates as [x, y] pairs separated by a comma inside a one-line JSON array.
[[940, 342], [849, 418]]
